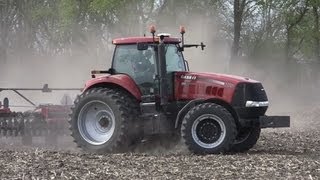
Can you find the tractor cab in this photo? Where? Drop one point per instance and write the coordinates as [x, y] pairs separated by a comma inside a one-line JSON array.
[[139, 60]]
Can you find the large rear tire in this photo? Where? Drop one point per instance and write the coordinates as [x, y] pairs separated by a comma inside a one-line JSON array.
[[246, 139], [101, 120], [208, 129]]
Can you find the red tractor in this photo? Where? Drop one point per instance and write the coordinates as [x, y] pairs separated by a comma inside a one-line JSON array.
[[149, 91]]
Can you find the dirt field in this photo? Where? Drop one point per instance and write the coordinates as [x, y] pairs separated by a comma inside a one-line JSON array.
[[280, 154]]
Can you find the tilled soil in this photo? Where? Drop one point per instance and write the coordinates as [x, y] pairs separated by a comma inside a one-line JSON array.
[[278, 155]]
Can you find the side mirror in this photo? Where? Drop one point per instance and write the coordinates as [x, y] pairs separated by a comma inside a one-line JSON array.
[[142, 46]]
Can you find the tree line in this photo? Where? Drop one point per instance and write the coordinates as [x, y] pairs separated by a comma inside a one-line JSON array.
[[253, 28]]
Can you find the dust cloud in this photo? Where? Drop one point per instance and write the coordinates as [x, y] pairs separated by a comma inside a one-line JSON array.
[[287, 86], [287, 94], [57, 72]]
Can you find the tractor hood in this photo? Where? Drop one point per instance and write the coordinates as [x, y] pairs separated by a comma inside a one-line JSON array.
[[215, 77], [193, 85]]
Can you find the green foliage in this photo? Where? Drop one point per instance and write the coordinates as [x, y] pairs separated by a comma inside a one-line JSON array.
[[102, 7], [266, 23], [43, 12], [67, 13], [314, 3]]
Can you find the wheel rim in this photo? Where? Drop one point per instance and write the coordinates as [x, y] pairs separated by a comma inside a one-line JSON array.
[[96, 122], [208, 131]]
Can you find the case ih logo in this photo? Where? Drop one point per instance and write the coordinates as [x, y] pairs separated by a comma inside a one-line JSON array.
[[188, 77]]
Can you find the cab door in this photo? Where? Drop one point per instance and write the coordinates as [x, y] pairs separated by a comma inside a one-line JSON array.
[[175, 63], [138, 64]]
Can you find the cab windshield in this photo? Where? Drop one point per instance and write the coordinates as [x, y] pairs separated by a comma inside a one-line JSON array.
[[129, 60]]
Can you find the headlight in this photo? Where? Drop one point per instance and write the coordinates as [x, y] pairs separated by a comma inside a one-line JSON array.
[[257, 103]]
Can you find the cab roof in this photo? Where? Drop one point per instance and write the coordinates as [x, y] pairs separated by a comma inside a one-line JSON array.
[[135, 40]]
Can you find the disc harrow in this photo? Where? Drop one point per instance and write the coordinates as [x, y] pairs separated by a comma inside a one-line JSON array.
[[47, 120]]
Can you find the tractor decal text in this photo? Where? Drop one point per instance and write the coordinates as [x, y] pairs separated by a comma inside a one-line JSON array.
[[188, 77]]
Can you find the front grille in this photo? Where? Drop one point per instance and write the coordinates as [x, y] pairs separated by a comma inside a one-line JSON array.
[[248, 92]]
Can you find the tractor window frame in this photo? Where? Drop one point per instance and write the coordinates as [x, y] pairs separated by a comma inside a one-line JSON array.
[[181, 56], [184, 68], [113, 64]]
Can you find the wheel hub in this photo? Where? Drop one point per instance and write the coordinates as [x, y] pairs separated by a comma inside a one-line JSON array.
[[104, 122], [208, 131], [96, 122]]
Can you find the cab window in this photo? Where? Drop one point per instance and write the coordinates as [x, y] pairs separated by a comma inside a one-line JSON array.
[[128, 59], [174, 59], [122, 60]]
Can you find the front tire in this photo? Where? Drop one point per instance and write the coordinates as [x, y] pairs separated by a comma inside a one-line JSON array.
[[246, 139], [100, 121], [208, 129]]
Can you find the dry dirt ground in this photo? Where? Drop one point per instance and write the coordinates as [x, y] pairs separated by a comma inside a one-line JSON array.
[[280, 154]]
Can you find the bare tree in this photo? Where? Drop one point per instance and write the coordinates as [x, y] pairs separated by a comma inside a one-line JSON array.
[[293, 18], [316, 32], [238, 10]]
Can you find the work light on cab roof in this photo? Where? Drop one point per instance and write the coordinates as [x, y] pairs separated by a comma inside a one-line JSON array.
[[182, 30]]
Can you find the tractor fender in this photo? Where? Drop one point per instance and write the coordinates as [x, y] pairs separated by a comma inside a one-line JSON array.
[[195, 102], [185, 109], [119, 80]]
